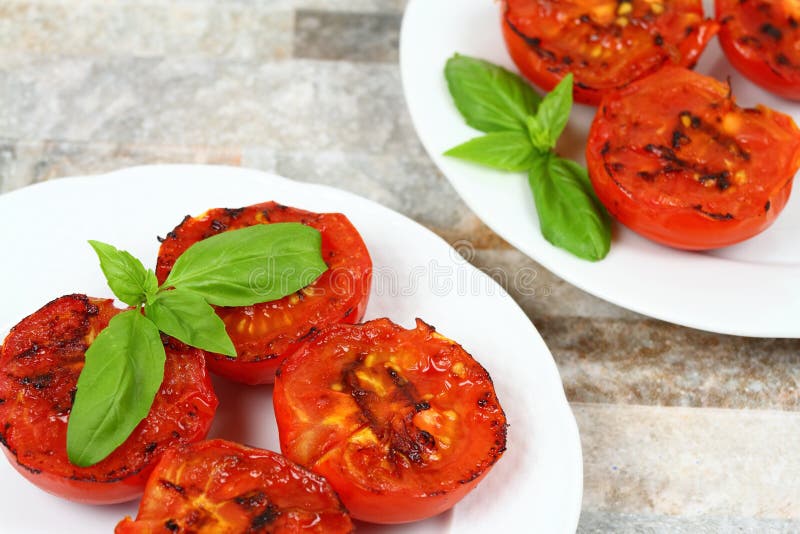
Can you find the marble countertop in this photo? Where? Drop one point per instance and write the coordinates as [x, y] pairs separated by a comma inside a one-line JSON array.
[[682, 430]]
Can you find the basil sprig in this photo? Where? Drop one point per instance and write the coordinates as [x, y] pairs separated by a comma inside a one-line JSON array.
[[521, 134], [124, 365]]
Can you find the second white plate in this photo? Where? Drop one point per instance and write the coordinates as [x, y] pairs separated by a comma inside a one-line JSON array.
[[751, 289]]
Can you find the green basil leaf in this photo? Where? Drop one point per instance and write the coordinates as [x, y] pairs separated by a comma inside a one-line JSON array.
[[551, 118], [570, 215], [256, 264], [490, 98], [122, 374], [186, 316], [508, 151], [125, 274]]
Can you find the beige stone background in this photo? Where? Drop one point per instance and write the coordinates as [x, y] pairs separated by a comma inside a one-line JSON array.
[[682, 431]]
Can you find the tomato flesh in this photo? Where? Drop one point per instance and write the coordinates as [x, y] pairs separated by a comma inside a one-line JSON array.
[[606, 44], [264, 334], [761, 38], [220, 487], [40, 361], [675, 159], [403, 423]]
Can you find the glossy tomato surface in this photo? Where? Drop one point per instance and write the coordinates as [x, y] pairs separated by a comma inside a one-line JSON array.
[[264, 334], [219, 487], [675, 159], [40, 361], [402, 423], [606, 44], [761, 38]]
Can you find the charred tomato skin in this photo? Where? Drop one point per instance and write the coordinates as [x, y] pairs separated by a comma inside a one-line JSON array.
[[264, 334], [758, 39], [676, 160], [606, 44], [40, 361], [218, 486], [402, 423]]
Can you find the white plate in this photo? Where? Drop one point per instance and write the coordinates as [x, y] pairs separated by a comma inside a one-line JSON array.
[[536, 485], [751, 289]]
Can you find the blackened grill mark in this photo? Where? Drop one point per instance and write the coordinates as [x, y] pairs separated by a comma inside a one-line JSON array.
[[646, 176], [172, 235], [534, 42], [715, 216], [311, 331], [658, 40], [171, 525], [265, 518], [403, 436], [767, 206], [421, 406], [266, 215], [694, 120], [720, 179], [39, 382], [606, 148], [771, 31], [679, 139], [251, 500], [233, 213], [28, 353], [150, 447], [160, 239], [218, 226], [792, 23], [566, 60], [585, 18], [782, 59], [348, 312], [398, 380], [172, 486]]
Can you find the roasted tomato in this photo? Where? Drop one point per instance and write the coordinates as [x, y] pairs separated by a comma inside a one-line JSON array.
[[606, 44], [266, 333], [39, 366], [402, 423], [675, 159], [762, 40], [219, 487]]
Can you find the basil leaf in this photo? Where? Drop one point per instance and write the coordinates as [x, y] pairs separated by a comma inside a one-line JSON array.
[[551, 118], [255, 264], [570, 215], [186, 316], [490, 98], [125, 274], [508, 151], [122, 374]]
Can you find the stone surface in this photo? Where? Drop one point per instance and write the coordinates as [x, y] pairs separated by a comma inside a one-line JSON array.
[[690, 461], [602, 522], [145, 29], [346, 36], [298, 105]]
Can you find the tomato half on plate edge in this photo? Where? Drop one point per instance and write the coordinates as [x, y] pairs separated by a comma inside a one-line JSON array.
[[605, 44], [264, 334], [40, 361], [675, 159], [220, 486], [402, 423], [760, 40]]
